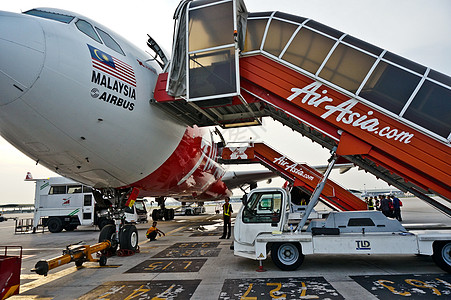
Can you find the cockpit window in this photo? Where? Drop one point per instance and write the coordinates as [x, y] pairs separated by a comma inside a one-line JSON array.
[[50, 15], [87, 29], [109, 41]]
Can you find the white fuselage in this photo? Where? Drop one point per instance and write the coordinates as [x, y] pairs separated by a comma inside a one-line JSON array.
[[62, 106]]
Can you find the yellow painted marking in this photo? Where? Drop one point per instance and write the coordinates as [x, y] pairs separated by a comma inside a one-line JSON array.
[[170, 263], [392, 289], [163, 294], [245, 297], [111, 293], [137, 293], [421, 284], [278, 286], [11, 291], [46, 279], [444, 282], [188, 264]]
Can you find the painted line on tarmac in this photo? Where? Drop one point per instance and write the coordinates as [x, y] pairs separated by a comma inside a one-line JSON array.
[[46, 279]]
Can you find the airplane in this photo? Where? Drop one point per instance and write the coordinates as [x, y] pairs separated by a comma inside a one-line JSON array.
[[75, 98]]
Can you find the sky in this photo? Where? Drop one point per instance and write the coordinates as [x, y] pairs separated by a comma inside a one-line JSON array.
[[419, 30]]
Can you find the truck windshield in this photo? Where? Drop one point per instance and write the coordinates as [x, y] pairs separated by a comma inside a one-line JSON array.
[[263, 207]]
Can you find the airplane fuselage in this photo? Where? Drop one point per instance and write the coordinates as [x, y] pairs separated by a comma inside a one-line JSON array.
[[79, 104]]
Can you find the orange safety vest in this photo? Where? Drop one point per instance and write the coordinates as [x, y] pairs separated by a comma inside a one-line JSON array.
[[150, 230]]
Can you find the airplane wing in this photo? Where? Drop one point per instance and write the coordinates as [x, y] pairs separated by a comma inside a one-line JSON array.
[[236, 179]]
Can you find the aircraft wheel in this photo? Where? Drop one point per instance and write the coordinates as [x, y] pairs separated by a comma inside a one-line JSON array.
[[167, 214], [155, 214], [108, 233], [287, 256], [103, 222], [55, 225], [442, 255], [128, 237]]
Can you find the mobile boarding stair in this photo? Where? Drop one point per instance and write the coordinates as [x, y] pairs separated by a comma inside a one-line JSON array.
[[388, 115], [299, 175]]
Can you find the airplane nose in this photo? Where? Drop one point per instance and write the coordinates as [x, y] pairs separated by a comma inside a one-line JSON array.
[[22, 52]]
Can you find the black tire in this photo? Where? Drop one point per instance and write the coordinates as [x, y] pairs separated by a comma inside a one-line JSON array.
[[155, 214], [108, 233], [128, 237], [188, 212], [78, 263], [167, 214], [442, 255], [55, 225], [287, 256], [103, 222], [102, 260], [172, 213], [70, 227]]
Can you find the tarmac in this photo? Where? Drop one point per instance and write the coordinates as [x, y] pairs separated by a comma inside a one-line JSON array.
[[191, 262]]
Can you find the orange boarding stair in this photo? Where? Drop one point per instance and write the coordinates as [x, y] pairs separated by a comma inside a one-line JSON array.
[[300, 175]]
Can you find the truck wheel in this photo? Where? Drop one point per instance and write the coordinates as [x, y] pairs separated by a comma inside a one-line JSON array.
[[108, 233], [128, 237], [287, 256], [70, 227], [55, 225], [442, 255]]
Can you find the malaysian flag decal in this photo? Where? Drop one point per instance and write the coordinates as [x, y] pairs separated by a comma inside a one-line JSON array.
[[112, 66]]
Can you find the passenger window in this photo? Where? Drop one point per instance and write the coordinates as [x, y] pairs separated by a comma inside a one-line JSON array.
[[87, 29], [57, 189], [279, 34], [74, 189], [109, 41], [431, 109], [389, 87], [347, 67], [308, 50]]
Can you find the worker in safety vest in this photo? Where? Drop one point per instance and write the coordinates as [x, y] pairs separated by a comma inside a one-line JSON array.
[[227, 214], [152, 232]]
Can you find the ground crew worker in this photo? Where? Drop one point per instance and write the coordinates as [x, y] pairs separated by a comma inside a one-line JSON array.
[[370, 203], [227, 211], [152, 232]]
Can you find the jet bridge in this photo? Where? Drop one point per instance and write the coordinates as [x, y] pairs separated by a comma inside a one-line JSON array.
[[388, 115], [300, 175]]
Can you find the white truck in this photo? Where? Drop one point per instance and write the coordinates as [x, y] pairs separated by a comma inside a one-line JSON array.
[[61, 203], [267, 222]]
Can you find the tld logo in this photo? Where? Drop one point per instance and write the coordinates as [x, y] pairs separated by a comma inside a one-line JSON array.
[[363, 245]]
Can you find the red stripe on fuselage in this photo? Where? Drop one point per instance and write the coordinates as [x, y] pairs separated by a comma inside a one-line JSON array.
[[189, 171]]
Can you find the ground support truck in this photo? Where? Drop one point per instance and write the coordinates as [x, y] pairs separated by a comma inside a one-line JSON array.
[[61, 203], [266, 223]]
